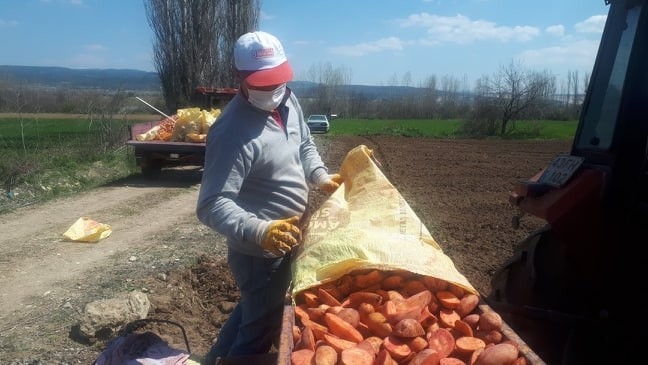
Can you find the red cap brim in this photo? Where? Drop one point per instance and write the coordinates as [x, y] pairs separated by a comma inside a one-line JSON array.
[[272, 76]]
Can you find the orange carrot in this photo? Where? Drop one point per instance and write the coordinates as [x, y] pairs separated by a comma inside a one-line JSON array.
[[412, 287], [326, 298], [341, 328], [392, 282], [320, 332], [300, 311], [307, 340], [435, 284], [344, 284], [350, 315], [337, 343], [363, 281], [354, 299], [296, 333], [314, 325], [332, 289], [317, 313]]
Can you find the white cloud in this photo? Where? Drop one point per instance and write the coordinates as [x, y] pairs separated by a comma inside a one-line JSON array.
[[593, 24], [461, 29], [555, 30], [578, 55], [390, 43], [441, 29]]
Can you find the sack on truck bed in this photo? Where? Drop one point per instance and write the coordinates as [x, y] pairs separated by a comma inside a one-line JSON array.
[[366, 224]]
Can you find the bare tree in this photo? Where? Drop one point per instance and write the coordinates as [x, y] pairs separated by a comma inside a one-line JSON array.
[[239, 16], [407, 79], [514, 92], [429, 97], [329, 81], [449, 96], [193, 43]]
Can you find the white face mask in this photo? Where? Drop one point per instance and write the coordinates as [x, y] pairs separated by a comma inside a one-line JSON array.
[[267, 100]]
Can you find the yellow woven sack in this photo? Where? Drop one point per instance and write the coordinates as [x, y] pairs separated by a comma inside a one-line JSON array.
[[87, 230], [367, 224]]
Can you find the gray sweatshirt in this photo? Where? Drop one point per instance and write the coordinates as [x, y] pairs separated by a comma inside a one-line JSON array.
[[256, 171]]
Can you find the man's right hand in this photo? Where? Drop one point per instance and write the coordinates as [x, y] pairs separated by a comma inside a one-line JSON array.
[[282, 235]]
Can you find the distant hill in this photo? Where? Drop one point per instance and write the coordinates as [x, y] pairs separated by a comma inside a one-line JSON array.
[[101, 79], [135, 80]]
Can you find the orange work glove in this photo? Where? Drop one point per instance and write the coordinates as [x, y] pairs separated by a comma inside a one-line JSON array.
[[281, 236], [331, 183]]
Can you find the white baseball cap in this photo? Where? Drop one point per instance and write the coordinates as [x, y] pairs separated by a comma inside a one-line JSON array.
[[260, 57]]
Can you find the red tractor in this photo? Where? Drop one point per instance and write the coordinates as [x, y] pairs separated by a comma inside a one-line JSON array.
[[570, 289]]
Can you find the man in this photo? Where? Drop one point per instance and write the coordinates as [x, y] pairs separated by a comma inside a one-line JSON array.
[[260, 163]]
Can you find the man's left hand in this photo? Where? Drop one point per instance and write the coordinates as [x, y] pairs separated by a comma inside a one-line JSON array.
[[331, 183]]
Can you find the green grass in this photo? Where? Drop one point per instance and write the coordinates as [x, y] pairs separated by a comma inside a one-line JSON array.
[[45, 158], [448, 128], [53, 130]]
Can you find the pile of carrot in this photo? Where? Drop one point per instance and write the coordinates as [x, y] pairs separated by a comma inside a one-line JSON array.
[[374, 317]]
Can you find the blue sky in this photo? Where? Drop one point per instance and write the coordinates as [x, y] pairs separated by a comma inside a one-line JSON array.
[[377, 42]]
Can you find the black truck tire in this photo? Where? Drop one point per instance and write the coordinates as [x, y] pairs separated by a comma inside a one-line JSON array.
[[151, 171]]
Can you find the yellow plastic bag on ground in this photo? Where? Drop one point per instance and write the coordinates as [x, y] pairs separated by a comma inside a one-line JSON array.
[[366, 224], [87, 230]]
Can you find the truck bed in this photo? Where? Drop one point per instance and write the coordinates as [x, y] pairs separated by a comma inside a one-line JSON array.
[[152, 156]]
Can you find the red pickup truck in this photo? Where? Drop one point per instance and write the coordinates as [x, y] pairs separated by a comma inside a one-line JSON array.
[[153, 155]]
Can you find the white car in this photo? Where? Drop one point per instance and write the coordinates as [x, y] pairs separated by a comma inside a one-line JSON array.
[[318, 123]]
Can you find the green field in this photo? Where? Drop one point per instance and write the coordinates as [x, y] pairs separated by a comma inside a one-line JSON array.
[[448, 128], [41, 158]]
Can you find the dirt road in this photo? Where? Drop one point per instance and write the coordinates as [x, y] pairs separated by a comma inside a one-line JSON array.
[[39, 261], [458, 188]]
